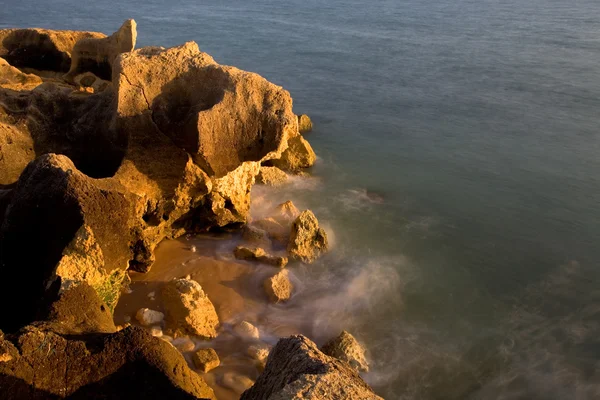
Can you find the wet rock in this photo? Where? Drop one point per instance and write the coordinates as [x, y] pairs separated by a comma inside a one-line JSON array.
[[206, 360], [304, 123], [156, 331], [93, 222], [307, 240], [286, 212], [271, 176], [126, 364], [299, 155], [237, 383], [279, 288], [246, 330], [98, 54], [346, 348], [147, 317], [41, 49], [274, 229], [297, 369], [189, 310], [259, 353], [256, 235], [258, 254], [184, 344]]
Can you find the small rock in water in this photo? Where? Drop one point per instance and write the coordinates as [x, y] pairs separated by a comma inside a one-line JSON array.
[[286, 212], [307, 241], [184, 344], [256, 235], [237, 383], [156, 331], [246, 330], [151, 295], [147, 317], [279, 288], [127, 318], [259, 254], [260, 353], [304, 123], [206, 359], [193, 249], [346, 348]]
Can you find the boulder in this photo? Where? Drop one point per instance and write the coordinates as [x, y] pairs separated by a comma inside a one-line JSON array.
[[97, 55], [184, 344], [297, 369], [286, 212], [346, 348], [41, 49], [258, 254], [206, 360], [188, 310], [259, 353], [307, 240], [297, 156], [271, 176], [246, 330], [148, 317], [127, 364], [304, 123], [274, 229], [93, 223], [279, 288]]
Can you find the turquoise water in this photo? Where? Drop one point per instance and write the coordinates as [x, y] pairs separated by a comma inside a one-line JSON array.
[[458, 171]]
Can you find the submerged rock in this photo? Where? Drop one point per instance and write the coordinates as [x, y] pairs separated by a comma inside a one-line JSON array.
[[297, 369], [206, 360], [258, 254], [279, 288], [246, 330], [237, 383], [127, 364], [98, 54], [271, 176], [346, 348], [307, 240], [304, 123], [188, 310], [147, 317], [259, 353]]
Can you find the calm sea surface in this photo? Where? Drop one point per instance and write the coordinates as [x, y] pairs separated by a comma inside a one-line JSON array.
[[459, 172]]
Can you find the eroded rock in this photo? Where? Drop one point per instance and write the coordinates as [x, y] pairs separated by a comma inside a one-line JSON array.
[[345, 347], [206, 359], [189, 310], [148, 317], [246, 330], [297, 369], [299, 155], [307, 240], [286, 212], [271, 176], [259, 254], [304, 123], [279, 288]]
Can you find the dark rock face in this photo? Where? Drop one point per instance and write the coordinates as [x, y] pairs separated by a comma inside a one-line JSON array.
[[51, 203], [123, 365], [297, 369], [42, 49]]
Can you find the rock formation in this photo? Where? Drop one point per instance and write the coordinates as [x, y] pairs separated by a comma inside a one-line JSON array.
[[271, 176], [346, 348], [97, 55], [304, 123], [279, 288], [258, 254], [298, 155], [246, 330], [189, 310], [297, 369], [307, 240]]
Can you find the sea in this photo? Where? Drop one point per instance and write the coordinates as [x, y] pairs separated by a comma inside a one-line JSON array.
[[458, 175]]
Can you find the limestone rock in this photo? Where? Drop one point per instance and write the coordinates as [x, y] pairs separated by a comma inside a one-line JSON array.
[[279, 288], [147, 317], [93, 222], [206, 360], [126, 364], [189, 310], [346, 348], [259, 254], [41, 49], [98, 54], [246, 330], [307, 240], [184, 344], [304, 123], [286, 212], [297, 369], [271, 176], [13, 78], [299, 155]]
